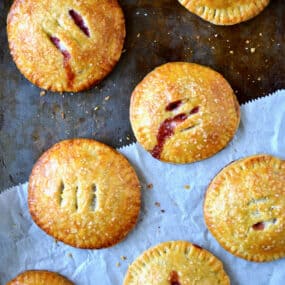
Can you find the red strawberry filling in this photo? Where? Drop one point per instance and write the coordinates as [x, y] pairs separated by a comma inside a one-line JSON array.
[[78, 20]]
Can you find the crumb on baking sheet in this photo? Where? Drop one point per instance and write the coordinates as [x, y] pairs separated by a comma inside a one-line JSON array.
[[231, 52], [187, 187], [42, 93], [107, 98], [252, 50], [123, 257], [118, 264], [96, 108], [69, 254], [63, 115], [138, 35], [157, 204], [149, 186]]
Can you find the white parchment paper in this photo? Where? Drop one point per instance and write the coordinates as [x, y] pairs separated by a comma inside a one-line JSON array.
[[169, 212]]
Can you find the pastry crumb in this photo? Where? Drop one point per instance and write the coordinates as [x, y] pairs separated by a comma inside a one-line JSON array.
[[123, 257], [63, 115], [96, 108], [252, 50], [231, 52], [107, 98], [258, 78], [149, 186], [157, 204], [187, 187], [118, 264], [138, 35], [69, 254], [247, 42], [42, 93]]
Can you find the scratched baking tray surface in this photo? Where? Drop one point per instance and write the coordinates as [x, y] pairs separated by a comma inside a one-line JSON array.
[[250, 55]]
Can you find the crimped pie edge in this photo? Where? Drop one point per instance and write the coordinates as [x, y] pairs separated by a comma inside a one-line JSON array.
[[179, 245], [42, 224], [209, 222], [227, 16]]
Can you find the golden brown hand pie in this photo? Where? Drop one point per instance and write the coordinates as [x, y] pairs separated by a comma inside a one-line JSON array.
[[84, 193], [245, 205], [176, 263], [183, 112], [65, 45], [225, 12], [39, 277]]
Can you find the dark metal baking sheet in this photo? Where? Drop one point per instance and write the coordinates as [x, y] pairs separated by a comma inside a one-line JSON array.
[[250, 55]]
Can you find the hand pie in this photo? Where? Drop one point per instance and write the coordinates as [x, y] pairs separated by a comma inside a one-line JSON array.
[[245, 205], [39, 277], [65, 45], [176, 263], [225, 12], [184, 112], [84, 194]]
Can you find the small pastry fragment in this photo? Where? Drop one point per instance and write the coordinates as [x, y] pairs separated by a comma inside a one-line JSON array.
[[184, 112], [245, 205], [176, 263], [225, 12], [84, 194], [39, 277], [65, 45]]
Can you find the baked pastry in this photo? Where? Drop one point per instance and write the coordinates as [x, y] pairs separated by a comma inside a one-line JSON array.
[[39, 277], [65, 45], [244, 208], [225, 12], [175, 263], [84, 193], [184, 112]]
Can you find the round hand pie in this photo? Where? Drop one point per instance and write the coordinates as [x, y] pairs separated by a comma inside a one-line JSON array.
[[84, 193], [184, 112], [176, 263], [225, 12], [39, 277], [65, 45], [245, 205]]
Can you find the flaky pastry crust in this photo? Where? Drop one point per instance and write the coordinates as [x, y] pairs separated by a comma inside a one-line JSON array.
[[39, 277], [84, 194], [183, 112], [65, 45], [174, 263], [225, 12], [244, 208]]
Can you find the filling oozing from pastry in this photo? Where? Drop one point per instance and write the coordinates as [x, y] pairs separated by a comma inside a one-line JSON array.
[[66, 59], [197, 246], [174, 278], [173, 105], [167, 128], [260, 226], [78, 20]]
